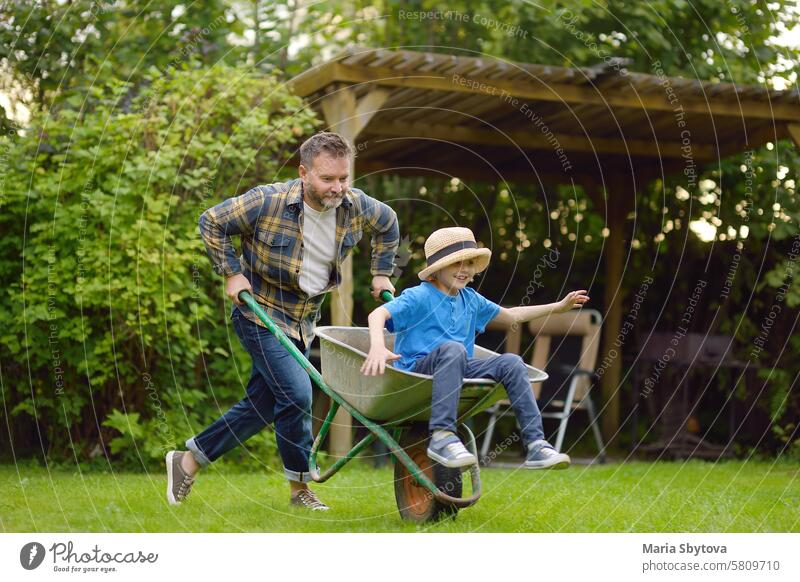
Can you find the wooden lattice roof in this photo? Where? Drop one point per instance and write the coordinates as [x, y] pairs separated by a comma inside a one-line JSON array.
[[425, 113], [421, 112]]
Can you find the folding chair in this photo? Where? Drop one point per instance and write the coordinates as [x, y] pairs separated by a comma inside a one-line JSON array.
[[577, 335]]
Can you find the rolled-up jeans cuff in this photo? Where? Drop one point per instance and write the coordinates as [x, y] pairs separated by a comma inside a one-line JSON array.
[[298, 476], [199, 455]]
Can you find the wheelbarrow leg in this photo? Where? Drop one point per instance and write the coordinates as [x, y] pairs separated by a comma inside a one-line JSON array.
[[313, 468], [487, 438]]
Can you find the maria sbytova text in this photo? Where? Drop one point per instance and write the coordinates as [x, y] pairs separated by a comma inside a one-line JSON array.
[[683, 549]]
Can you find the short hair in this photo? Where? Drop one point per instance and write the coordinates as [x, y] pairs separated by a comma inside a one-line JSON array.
[[325, 141]]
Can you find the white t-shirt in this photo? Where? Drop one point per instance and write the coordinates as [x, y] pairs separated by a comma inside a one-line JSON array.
[[319, 249]]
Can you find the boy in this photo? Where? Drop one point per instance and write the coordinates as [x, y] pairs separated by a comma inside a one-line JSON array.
[[436, 323]]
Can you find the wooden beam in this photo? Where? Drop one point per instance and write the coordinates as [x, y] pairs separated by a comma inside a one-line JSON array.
[[532, 139], [361, 110], [540, 91], [374, 147], [755, 138], [619, 200], [341, 114], [312, 80], [793, 130], [368, 106], [339, 109], [475, 172], [347, 116]]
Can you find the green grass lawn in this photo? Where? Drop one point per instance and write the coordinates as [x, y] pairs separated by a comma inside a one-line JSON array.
[[635, 497]]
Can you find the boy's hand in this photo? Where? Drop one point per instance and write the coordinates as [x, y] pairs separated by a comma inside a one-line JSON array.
[[376, 361], [571, 301]]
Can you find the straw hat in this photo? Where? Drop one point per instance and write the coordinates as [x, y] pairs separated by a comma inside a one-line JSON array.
[[447, 246]]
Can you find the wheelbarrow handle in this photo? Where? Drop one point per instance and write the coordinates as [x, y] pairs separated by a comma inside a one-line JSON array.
[[247, 298], [384, 296]]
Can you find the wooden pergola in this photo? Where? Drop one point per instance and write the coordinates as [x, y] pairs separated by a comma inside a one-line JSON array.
[[602, 128]]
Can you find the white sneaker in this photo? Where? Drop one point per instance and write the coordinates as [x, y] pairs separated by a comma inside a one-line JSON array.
[[542, 455], [449, 451]]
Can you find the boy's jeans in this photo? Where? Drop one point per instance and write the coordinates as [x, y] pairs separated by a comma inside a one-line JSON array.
[[279, 390], [449, 365]]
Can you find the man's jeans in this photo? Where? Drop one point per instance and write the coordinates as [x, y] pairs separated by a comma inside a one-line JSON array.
[[449, 365], [279, 391]]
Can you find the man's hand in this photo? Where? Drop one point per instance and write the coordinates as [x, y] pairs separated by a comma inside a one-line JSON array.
[[234, 285], [381, 283], [571, 301], [376, 361]]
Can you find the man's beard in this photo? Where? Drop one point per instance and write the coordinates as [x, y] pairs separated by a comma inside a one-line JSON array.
[[326, 203]]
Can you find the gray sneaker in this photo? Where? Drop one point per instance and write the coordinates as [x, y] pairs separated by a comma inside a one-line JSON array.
[[450, 452], [542, 455], [179, 482], [308, 499]]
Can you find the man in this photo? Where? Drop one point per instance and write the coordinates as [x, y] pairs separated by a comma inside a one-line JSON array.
[[294, 237]]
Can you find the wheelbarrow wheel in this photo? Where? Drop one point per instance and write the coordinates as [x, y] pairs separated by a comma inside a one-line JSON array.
[[414, 501]]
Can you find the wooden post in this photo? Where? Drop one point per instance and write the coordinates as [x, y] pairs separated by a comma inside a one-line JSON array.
[[347, 116], [619, 199]]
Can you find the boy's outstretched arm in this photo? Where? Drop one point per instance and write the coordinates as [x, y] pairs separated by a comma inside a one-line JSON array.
[[378, 354], [511, 315]]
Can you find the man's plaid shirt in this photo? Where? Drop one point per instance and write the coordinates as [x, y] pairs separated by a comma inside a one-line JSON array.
[[269, 220]]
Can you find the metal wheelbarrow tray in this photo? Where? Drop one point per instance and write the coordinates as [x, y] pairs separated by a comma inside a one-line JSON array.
[[396, 396], [399, 402]]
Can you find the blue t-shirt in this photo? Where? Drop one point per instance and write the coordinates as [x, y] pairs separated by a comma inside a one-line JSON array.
[[424, 317]]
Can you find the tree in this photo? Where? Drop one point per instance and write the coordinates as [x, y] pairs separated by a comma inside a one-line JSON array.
[[114, 306], [56, 49]]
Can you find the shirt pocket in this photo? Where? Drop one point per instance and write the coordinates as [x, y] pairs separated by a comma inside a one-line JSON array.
[[277, 245], [277, 251]]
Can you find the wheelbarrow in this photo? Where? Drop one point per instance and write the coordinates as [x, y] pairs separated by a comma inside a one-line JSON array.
[[395, 409]]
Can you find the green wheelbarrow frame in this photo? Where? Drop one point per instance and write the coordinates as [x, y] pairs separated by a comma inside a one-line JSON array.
[[378, 430]]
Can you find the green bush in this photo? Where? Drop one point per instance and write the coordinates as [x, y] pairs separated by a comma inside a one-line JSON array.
[[112, 324]]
